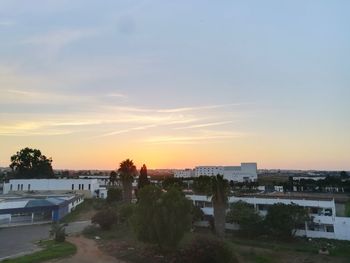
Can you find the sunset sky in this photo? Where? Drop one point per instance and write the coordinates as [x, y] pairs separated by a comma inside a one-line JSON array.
[[176, 84]]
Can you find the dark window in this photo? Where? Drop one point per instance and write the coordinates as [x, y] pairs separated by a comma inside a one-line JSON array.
[[18, 187], [82, 186], [72, 186], [28, 187], [89, 186], [10, 187]]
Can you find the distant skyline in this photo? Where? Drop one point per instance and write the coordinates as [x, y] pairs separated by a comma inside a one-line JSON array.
[[175, 84]]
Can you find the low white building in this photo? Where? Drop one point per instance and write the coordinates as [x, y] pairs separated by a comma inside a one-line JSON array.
[[325, 222], [246, 172], [184, 173], [88, 187]]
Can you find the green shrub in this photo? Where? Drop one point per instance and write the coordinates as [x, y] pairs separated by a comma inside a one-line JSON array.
[[114, 195], [206, 249], [58, 232], [91, 231], [125, 212], [105, 218]]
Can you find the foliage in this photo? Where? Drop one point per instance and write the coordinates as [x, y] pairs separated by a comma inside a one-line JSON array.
[[282, 220], [52, 250], [143, 179], [114, 195], [250, 222], [347, 209], [206, 249], [125, 212], [202, 185], [197, 213], [58, 232], [105, 218], [30, 163], [171, 182], [113, 177], [161, 218], [127, 171]]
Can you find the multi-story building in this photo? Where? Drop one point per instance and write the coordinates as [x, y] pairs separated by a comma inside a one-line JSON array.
[[185, 173], [327, 215], [88, 187], [246, 172]]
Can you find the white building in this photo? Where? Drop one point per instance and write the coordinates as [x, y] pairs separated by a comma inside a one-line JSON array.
[[246, 172], [88, 187], [325, 222], [185, 173]]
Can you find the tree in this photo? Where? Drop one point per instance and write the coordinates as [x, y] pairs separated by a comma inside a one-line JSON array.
[[105, 218], [218, 188], [114, 195], [113, 177], [30, 163], [58, 232], [127, 172], [143, 179], [161, 218], [282, 220], [171, 182], [244, 214]]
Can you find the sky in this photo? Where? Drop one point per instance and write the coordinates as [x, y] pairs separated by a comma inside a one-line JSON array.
[[175, 84]]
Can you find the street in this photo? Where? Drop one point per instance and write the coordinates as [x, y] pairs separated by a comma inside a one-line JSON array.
[[21, 240]]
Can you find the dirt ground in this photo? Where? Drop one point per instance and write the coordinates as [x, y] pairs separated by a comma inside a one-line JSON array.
[[88, 252], [247, 254]]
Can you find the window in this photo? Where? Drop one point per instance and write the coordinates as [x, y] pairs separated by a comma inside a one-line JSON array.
[[72, 186], [10, 187], [18, 187], [28, 187], [21, 187], [82, 186], [89, 186], [79, 186]]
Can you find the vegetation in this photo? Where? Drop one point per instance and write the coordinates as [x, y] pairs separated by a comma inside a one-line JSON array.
[[114, 195], [113, 177], [105, 218], [162, 218], [206, 249], [172, 182], [30, 163], [282, 220], [143, 179], [125, 212], [250, 222], [51, 250], [58, 232], [84, 210], [127, 172]]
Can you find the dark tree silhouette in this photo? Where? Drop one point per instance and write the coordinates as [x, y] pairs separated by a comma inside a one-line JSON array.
[[113, 178], [143, 179], [127, 172], [30, 163]]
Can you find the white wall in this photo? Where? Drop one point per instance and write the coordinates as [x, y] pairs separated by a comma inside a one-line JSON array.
[[52, 185]]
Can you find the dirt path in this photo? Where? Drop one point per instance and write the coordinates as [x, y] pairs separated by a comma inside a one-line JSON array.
[[88, 252]]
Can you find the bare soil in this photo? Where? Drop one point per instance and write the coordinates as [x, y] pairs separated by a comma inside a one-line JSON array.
[[88, 252]]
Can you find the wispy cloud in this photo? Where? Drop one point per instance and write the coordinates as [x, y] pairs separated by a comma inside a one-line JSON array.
[[6, 23], [207, 107], [54, 41], [204, 125], [176, 139]]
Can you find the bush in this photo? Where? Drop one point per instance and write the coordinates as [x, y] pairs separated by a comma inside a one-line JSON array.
[[91, 231], [114, 195], [58, 232], [161, 218], [105, 218], [205, 249], [125, 212]]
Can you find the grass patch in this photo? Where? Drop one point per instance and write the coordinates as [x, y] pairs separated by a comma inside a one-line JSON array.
[[336, 247], [52, 250], [84, 207]]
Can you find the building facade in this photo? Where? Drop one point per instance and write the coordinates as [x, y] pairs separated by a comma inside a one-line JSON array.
[[246, 172], [324, 224], [88, 187], [184, 173]]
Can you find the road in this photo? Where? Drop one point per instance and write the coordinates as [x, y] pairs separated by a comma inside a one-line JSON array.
[[20, 240]]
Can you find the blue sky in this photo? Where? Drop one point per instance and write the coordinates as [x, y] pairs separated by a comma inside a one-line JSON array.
[[176, 83]]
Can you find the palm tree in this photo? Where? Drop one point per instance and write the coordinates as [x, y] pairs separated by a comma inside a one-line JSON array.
[[218, 189], [113, 177], [127, 172], [219, 195]]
